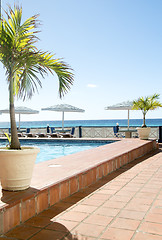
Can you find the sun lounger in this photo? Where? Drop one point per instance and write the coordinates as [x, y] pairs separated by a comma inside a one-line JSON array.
[[53, 130], [2, 133], [42, 135], [53, 133], [29, 133], [68, 135], [20, 134]]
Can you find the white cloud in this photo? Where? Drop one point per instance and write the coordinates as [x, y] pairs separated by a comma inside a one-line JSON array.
[[91, 85]]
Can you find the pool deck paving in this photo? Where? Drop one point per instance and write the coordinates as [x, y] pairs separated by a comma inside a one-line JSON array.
[[124, 205]]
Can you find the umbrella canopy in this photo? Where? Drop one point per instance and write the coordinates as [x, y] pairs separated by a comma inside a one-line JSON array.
[[121, 106], [63, 108], [20, 110]]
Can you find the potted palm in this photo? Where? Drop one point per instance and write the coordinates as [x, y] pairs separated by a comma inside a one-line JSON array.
[[24, 63], [145, 104]]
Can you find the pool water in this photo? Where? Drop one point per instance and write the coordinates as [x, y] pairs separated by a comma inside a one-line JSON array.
[[54, 149]]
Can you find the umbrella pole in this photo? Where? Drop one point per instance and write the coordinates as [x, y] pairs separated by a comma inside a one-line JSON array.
[[63, 120]]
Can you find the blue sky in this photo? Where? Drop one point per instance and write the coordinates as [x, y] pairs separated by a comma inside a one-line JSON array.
[[114, 47]]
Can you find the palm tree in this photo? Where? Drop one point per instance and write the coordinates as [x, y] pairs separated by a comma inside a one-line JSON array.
[[145, 104], [24, 63]]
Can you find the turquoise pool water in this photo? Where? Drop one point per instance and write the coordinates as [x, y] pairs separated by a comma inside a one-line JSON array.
[[50, 149]]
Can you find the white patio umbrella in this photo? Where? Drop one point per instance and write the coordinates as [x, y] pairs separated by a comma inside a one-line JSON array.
[[63, 108], [20, 110], [121, 106]]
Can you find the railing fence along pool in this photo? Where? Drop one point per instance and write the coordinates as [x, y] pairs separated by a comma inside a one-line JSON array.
[[107, 132], [93, 132]]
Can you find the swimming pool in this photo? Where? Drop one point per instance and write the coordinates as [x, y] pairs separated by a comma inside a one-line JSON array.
[[50, 149]]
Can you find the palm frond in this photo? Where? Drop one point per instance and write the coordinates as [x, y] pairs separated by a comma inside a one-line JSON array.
[[21, 58], [147, 103]]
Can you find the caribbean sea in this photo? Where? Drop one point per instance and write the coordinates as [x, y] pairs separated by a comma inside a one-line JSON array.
[[87, 123]]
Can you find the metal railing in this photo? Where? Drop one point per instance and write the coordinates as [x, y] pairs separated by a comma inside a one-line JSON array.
[[95, 132], [107, 132]]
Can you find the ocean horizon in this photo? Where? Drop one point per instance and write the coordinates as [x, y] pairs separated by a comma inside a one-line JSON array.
[[86, 123]]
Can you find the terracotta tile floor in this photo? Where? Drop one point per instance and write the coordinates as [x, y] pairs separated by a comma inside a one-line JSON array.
[[125, 205]]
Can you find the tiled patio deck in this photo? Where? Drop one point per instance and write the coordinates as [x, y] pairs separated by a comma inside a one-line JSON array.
[[124, 205]]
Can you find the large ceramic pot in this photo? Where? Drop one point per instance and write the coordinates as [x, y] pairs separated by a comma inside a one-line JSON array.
[[16, 167], [143, 132]]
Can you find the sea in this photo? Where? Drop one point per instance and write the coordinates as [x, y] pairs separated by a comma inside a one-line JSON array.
[[86, 123]]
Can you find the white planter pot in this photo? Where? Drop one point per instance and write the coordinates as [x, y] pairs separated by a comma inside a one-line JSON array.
[[143, 132], [16, 167]]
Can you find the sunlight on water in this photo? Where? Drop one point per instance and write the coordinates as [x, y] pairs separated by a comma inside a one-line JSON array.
[[53, 149]]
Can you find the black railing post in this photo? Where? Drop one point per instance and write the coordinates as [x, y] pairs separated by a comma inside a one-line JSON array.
[[80, 131], [160, 134]]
